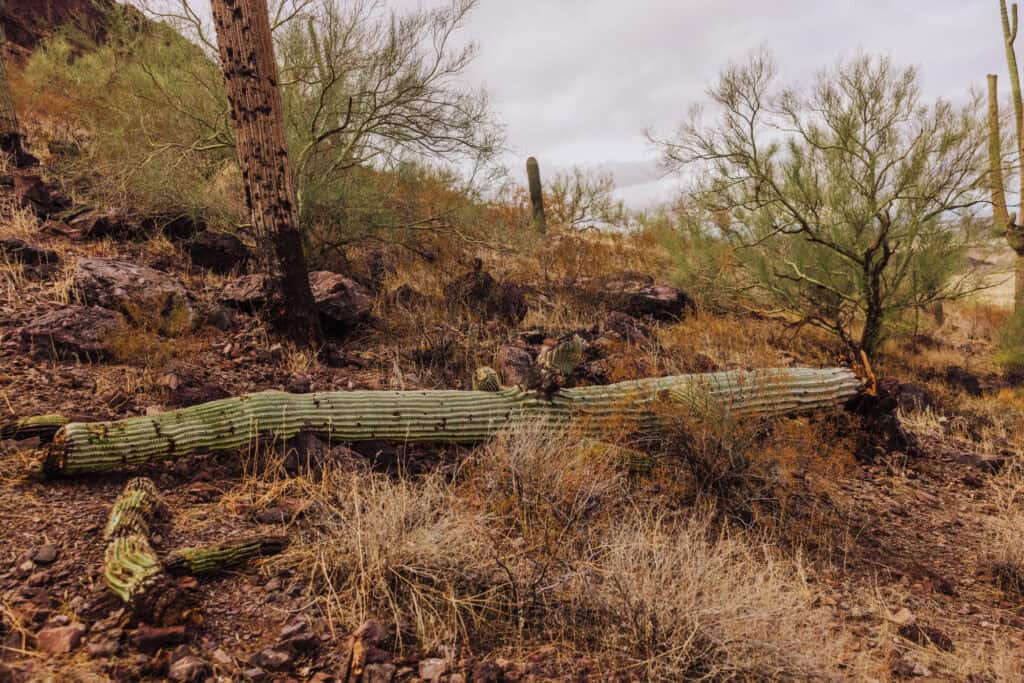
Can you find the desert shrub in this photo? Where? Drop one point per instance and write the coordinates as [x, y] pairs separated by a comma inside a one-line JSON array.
[[680, 603], [850, 202], [1010, 342], [1005, 551]]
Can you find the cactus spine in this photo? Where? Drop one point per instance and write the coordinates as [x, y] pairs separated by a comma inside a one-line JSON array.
[[438, 416], [536, 195]]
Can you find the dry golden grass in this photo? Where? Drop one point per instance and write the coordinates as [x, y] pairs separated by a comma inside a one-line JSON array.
[[535, 541]]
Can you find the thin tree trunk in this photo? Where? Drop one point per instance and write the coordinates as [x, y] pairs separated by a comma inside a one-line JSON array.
[[250, 77]]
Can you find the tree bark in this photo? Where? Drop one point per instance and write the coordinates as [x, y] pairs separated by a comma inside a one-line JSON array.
[[441, 416], [250, 77]]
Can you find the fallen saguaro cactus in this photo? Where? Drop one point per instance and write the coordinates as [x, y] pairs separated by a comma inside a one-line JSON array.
[[42, 426], [134, 571], [131, 567], [439, 416]]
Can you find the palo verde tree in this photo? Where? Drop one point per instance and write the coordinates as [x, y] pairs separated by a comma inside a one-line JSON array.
[[849, 202], [250, 78], [581, 199], [363, 87]]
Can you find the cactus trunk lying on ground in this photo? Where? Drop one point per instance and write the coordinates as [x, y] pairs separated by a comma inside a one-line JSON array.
[[438, 416], [131, 567], [133, 570]]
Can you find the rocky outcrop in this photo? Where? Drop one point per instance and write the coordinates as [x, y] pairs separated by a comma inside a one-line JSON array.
[[638, 295], [343, 303], [78, 331], [38, 196], [219, 252], [480, 293], [22, 252], [145, 295]]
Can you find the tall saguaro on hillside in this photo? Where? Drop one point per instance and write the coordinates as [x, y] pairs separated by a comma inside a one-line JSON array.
[[1006, 222], [536, 195], [250, 76]]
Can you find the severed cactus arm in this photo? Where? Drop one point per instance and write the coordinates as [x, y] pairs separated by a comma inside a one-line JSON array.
[[131, 567], [217, 558], [439, 416]]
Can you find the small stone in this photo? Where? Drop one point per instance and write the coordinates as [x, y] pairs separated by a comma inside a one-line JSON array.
[[107, 647], [150, 638], [255, 674], [921, 670], [271, 658], [61, 639], [45, 554], [222, 658], [273, 585], [456, 678], [378, 673], [271, 516], [431, 670], [902, 617], [188, 669]]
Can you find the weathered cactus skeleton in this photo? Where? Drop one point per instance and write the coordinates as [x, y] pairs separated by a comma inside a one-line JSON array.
[[439, 416]]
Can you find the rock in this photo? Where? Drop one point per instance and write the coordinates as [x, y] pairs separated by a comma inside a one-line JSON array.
[[219, 252], [431, 670], [142, 293], [220, 317], [177, 226], [481, 293], [516, 366], [81, 331], [255, 674], [271, 658], [189, 669], [152, 637], [270, 516], [626, 326], [45, 554], [23, 252], [186, 395], [42, 198], [343, 303], [901, 617], [247, 293], [222, 658], [379, 673], [909, 396], [96, 223], [104, 647], [926, 635], [60, 640], [637, 294]]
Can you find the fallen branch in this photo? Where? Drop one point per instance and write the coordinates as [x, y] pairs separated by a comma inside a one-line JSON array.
[[440, 416]]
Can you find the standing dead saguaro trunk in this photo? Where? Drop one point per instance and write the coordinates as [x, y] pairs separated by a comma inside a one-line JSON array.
[[250, 76], [1006, 222], [536, 195]]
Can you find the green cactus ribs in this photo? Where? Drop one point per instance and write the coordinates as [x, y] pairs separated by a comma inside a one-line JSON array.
[[438, 416]]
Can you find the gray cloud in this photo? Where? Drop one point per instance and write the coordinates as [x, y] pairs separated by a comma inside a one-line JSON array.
[[576, 81]]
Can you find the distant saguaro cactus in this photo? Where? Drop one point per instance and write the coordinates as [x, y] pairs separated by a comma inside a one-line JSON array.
[[1004, 221], [536, 195]]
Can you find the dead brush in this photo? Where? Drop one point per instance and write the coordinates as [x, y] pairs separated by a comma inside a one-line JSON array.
[[398, 550], [678, 601], [1006, 528]]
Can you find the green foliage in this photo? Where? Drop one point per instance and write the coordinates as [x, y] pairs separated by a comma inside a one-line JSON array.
[[848, 204], [1010, 341], [579, 199], [372, 100]]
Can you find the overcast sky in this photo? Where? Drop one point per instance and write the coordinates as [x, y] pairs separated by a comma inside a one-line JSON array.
[[577, 81]]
